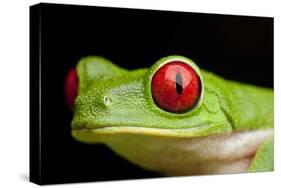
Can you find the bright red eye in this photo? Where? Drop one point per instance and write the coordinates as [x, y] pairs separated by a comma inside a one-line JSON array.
[[176, 87], [71, 87]]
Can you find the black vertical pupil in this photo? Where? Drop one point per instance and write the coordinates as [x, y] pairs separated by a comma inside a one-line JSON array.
[[179, 83]]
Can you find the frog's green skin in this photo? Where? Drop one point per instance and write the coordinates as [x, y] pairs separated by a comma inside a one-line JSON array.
[[232, 122]]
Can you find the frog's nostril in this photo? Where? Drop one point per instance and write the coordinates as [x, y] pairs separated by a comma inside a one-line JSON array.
[[106, 100], [71, 87]]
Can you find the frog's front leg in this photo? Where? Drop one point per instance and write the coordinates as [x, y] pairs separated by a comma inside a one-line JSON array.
[[264, 158]]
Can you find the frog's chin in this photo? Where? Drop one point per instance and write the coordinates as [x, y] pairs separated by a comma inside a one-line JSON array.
[[179, 153]]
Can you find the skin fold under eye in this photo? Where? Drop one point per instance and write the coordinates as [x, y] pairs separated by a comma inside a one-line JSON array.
[[176, 87]]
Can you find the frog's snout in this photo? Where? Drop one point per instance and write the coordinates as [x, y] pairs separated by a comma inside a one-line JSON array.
[[71, 87]]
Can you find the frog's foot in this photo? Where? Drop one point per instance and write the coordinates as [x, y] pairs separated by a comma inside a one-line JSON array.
[[264, 158]]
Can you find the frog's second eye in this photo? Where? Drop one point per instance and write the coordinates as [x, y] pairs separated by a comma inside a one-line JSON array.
[[176, 87], [71, 87]]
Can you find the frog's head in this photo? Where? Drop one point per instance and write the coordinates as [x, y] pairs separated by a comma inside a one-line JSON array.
[[168, 99]]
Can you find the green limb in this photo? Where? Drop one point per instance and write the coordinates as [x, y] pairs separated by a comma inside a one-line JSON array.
[[264, 158]]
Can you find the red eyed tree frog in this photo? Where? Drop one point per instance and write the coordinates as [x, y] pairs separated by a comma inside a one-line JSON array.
[[172, 118]]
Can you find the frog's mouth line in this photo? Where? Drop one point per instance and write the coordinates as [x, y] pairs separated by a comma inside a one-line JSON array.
[[204, 129], [95, 133]]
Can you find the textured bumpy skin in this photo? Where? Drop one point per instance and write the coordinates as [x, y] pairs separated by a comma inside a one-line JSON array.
[[113, 101], [246, 106]]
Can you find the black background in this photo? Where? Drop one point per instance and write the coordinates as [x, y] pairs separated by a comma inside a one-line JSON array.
[[235, 47]]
